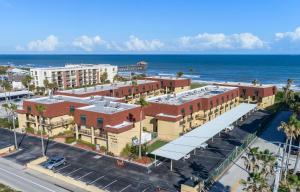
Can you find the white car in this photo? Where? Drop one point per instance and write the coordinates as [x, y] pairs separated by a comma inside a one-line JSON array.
[[187, 156], [229, 128], [203, 146]]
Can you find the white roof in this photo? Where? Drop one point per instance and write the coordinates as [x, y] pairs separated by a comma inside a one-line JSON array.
[[14, 93], [183, 145]]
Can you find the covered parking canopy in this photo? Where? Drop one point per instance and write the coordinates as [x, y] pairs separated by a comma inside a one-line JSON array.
[[183, 145]]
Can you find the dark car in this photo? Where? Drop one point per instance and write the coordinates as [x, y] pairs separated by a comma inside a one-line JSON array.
[[54, 161]]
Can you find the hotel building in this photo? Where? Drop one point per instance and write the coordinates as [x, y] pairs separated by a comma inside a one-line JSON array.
[[73, 75], [172, 115], [172, 84], [130, 92], [98, 120], [261, 94]]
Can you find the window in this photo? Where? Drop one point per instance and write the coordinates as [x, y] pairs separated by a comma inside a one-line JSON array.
[[100, 123], [183, 111], [211, 104], [199, 105], [83, 120], [72, 109], [191, 108], [29, 109]]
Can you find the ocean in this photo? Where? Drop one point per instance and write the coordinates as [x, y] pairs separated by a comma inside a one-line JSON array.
[[274, 69]]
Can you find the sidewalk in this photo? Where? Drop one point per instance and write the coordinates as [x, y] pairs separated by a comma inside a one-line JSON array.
[[24, 179]]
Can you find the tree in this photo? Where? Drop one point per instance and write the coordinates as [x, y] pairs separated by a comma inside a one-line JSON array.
[[7, 88], [288, 93], [260, 165], [296, 123], [143, 103], [40, 110], [179, 74], [134, 85], [254, 82], [11, 109], [255, 182], [52, 87], [26, 82], [46, 85], [289, 130], [103, 77]]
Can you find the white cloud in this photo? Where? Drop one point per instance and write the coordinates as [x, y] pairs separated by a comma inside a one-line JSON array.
[[293, 36], [48, 44], [88, 43], [220, 41], [136, 44]]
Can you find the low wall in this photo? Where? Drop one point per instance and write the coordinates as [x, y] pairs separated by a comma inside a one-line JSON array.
[[7, 149], [34, 165]]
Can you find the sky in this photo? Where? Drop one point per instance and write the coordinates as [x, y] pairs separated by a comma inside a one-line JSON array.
[[150, 26]]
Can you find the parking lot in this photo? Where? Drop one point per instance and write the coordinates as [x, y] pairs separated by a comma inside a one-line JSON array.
[[103, 172]]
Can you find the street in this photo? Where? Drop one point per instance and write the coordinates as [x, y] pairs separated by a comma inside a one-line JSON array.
[[18, 178]]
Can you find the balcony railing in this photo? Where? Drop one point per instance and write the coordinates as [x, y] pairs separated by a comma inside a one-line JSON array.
[[31, 119], [58, 123]]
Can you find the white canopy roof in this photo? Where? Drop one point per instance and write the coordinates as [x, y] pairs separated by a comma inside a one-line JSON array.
[[14, 93], [183, 145]]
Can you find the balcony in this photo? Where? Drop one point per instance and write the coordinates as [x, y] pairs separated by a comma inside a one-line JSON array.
[[85, 131], [58, 123], [31, 119]]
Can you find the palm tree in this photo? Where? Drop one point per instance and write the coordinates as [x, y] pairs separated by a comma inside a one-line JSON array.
[[40, 110], [255, 182], [52, 87], [179, 74], [7, 88], [26, 82], [250, 160], [134, 85], [288, 93], [260, 165], [46, 85], [11, 109], [143, 103], [289, 130], [254, 82], [296, 123]]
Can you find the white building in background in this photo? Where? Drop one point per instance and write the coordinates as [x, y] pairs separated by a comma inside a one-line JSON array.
[[73, 75], [17, 85]]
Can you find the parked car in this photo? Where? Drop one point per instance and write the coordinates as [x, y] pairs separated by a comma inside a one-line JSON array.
[[203, 146], [54, 161], [229, 128], [187, 156]]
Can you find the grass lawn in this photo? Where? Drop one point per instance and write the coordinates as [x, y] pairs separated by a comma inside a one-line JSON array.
[[4, 188], [157, 144], [197, 85]]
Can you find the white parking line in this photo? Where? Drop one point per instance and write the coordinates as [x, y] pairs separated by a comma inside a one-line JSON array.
[[85, 175], [96, 180], [110, 184], [146, 189], [61, 168], [74, 171], [125, 188]]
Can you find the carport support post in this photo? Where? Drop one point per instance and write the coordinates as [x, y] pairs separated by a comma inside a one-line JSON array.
[[93, 135], [155, 160], [76, 130], [171, 167]]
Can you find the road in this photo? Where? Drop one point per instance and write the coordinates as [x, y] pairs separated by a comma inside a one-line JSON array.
[[17, 177], [230, 181]]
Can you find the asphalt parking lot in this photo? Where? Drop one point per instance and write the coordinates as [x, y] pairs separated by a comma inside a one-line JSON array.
[[103, 172]]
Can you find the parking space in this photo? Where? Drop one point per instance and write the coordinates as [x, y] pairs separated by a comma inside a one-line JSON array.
[[103, 172]]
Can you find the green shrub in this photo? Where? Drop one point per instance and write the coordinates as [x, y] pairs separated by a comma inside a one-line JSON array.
[[70, 139], [86, 143], [29, 129], [5, 123]]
